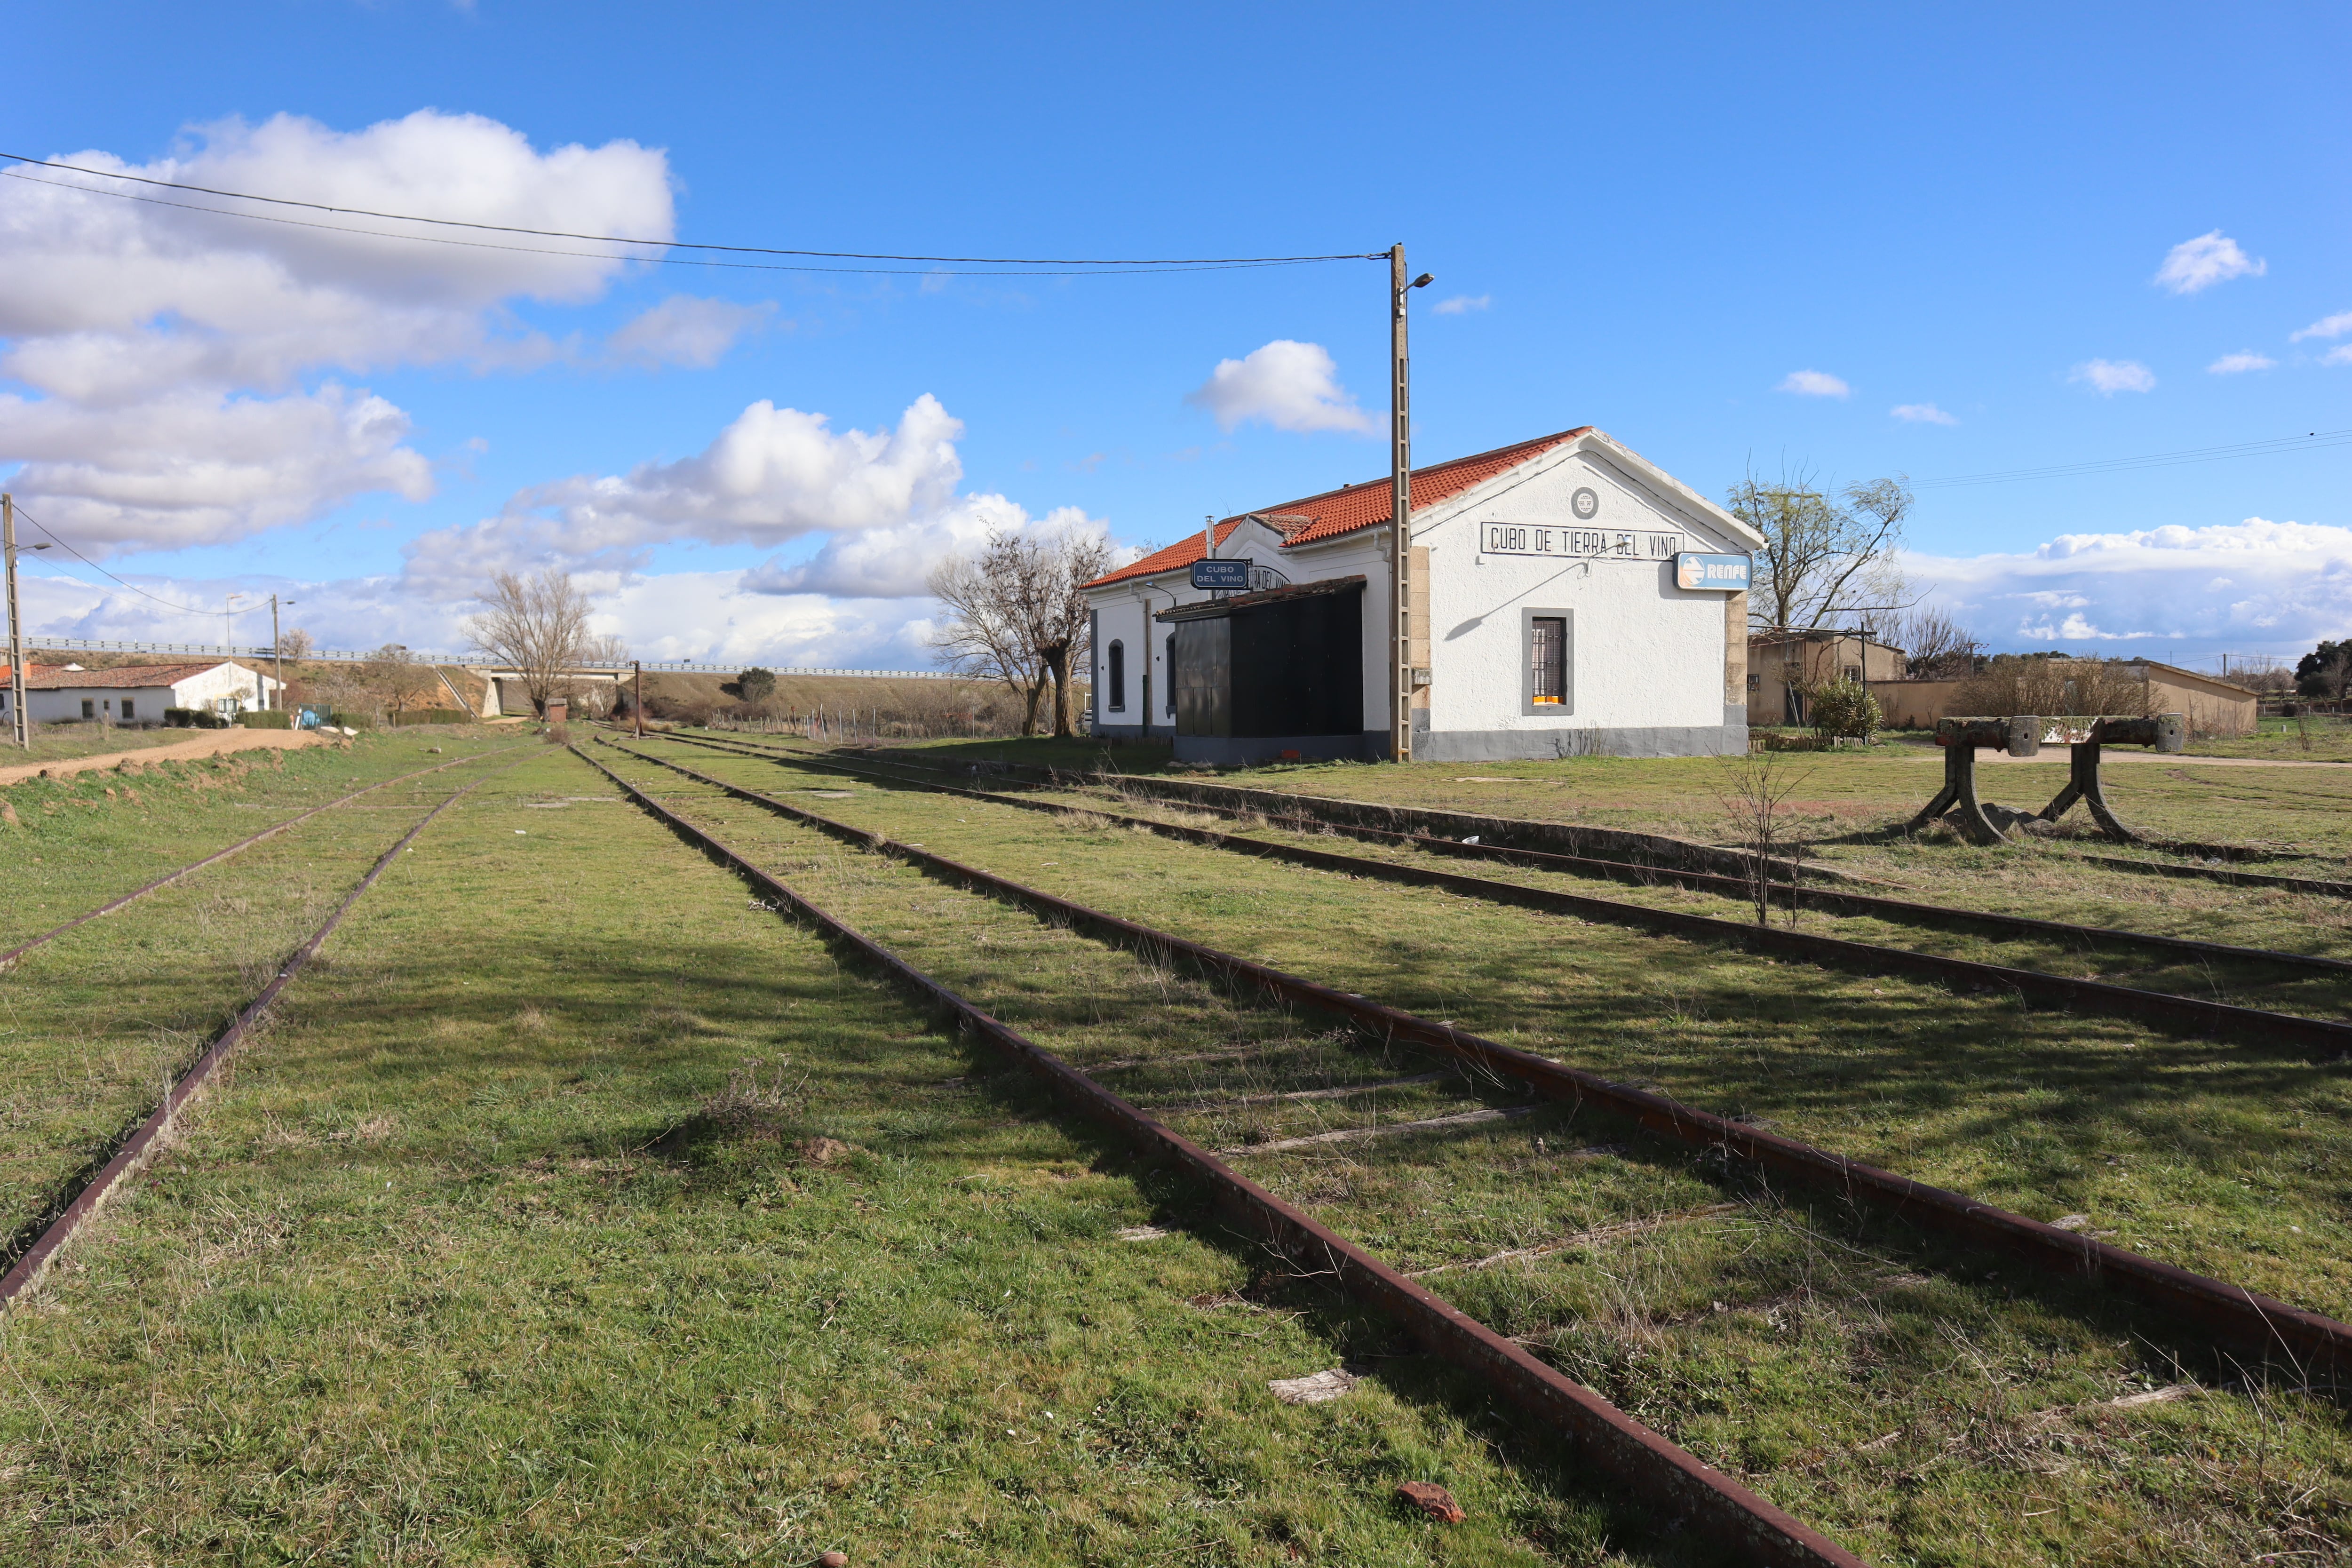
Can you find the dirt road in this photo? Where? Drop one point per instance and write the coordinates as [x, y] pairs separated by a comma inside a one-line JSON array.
[[199, 743]]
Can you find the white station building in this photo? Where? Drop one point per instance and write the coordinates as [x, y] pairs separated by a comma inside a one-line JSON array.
[[1579, 601]]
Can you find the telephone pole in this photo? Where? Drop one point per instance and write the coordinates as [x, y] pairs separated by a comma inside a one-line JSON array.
[[637, 694], [23, 728], [1401, 586]]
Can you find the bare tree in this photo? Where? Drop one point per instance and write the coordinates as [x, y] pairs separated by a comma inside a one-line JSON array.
[[536, 625], [1825, 557], [1934, 642], [398, 681], [294, 645], [1015, 613]]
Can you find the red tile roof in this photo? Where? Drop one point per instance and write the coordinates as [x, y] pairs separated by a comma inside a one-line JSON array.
[[133, 676], [1352, 507]]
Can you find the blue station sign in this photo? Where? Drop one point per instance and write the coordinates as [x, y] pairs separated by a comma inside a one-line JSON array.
[[1695, 569], [1221, 574]]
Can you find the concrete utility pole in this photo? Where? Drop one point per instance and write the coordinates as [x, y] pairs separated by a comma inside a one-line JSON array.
[[1400, 511], [23, 725]]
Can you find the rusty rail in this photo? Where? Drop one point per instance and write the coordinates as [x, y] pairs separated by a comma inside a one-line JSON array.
[[22, 948], [2165, 1009], [1604, 1435], [127, 1161], [1829, 899], [2232, 1315]]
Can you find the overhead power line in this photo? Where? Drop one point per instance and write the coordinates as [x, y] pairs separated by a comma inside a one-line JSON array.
[[1025, 267], [2311, 441], [183, 609]]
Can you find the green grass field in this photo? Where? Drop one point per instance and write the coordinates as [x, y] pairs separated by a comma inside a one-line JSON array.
[[1830, 1337], [579, 1210]]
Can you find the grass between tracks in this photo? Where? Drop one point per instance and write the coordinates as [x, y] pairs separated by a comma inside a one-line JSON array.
[[94, 1025], [1926, 1406], [514, 1241], [2282, 807], [68, 844]]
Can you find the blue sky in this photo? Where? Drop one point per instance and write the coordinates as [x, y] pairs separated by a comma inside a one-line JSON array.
[[1653, 223]]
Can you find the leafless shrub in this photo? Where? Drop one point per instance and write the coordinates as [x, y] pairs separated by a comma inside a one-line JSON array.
[[2056, 687], [1754, 792]]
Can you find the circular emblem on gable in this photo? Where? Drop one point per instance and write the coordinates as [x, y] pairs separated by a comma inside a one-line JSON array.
[[1585, 504]]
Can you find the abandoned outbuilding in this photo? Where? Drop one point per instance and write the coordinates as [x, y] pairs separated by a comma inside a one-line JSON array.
[[1782, 666], [1579, 601]]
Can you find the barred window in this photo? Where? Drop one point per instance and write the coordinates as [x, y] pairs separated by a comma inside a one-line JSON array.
[[1118, 662], [1547, 658]]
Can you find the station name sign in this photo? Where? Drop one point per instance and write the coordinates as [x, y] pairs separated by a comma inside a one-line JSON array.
[[1695, 569], [1576, 543], [1221, 574]]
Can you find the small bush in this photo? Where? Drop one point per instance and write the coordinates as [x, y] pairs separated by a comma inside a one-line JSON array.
[[350, 721], [266, 719], [1844, 707], [559, 734]]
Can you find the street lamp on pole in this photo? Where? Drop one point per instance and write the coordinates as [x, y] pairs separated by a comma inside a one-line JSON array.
[[1401, 585], [278, 650]]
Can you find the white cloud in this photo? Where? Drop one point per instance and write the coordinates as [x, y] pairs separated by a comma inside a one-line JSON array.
[[2250, 585], [2333, 326], [2108, 377], [893, 563], [146, 331], [2238, 363], [1289, 385], [2208, 259], [772, 476], [1922, 413], [1463, 304], [200, 467], [1812, 383], [685, 331], [2340, 355]]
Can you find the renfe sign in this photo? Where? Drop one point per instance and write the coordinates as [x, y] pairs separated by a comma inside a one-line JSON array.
[[1605, 544], [1221, 574], [1695, 570]]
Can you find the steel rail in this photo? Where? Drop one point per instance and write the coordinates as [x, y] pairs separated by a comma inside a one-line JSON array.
[[135, 1150], [1334, 812], [1603, 1436], [2311, 885], [22, 948], [2165, 1009], [2246, 1320], [1829, 900], [1665, 848]]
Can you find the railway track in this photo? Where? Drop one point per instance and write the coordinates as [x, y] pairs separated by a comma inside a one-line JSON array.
[[50, 1234], [2166, 1010], [2208, 1309], [1827, 900], [1604, 1436], [9, 957], [2250, 1323], [1339, 815]]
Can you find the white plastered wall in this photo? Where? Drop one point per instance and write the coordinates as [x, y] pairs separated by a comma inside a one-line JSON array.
[[1647, 656]]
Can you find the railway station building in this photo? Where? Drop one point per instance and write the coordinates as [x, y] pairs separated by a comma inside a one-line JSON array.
[[1579, 601]]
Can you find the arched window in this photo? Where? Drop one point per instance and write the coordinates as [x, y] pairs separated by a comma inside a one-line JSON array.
[[1117, 662]]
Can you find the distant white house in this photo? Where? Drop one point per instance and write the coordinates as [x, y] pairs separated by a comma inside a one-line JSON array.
[[134, 694]]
